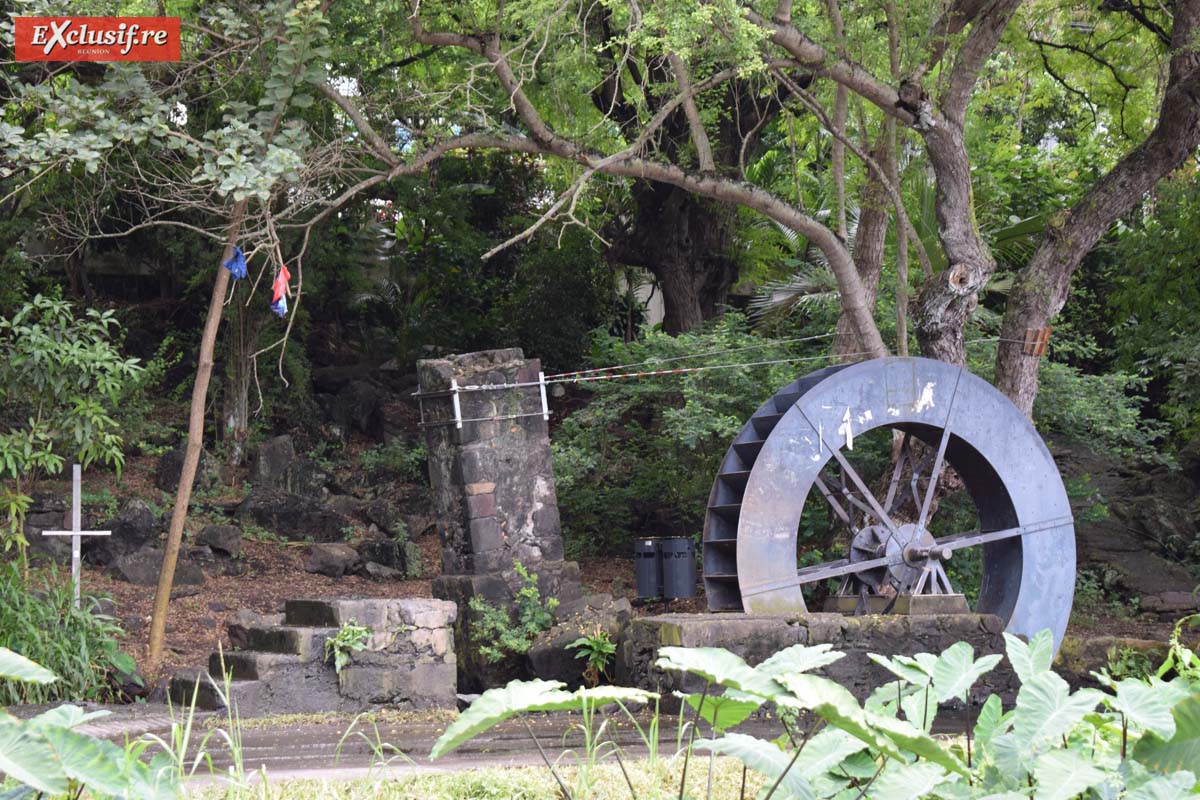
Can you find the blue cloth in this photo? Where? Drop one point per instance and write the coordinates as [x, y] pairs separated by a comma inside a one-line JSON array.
[[236, 264], [280, 307]]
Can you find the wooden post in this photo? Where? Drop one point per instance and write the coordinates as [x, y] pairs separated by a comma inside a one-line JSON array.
[[195, 444]]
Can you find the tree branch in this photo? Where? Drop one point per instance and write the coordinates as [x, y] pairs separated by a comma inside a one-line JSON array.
[[699, 137]]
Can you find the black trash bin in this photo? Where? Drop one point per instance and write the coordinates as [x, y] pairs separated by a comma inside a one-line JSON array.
[[678, 567], [647, 563]]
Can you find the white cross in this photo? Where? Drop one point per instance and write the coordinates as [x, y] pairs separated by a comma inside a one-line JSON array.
[[76, 532]]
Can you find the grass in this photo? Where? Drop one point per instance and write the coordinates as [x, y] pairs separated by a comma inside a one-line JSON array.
[[509, 783]]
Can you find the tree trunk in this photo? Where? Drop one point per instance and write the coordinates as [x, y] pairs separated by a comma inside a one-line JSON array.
[[241, 338], [195, 443], [946, 300], [869, 243], [685, 242], [1041, 287]]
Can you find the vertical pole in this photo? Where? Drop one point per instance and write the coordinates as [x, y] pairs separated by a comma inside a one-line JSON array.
[[454, 400], [542, 387], [76, 527]]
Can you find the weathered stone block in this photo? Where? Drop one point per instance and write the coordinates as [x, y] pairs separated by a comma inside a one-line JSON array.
[[486, 535], [481, 505]]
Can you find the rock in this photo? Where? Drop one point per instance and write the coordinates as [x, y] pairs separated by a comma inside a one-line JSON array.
[[171, 465], [334, 559], [58, 548], [1172, 604], [344, 504], [143, 568], [269, 462], [133, 529], [239, 626], [385, 515], [224, 539], [419, 525], [355, 404], [304, 477], [381, 573], [549, 657], [384, 552], [391, 420], [293, 516], [1079, 657]]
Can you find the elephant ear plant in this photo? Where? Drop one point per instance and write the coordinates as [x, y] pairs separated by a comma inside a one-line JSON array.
[[47, 758], [1136, 739]]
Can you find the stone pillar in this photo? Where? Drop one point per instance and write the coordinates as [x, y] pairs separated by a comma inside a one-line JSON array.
[[493, 486]]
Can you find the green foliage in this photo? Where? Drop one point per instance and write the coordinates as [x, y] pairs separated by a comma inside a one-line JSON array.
[[351, 638], [400, 458], [61, 378], [1141, 743], [597, 648], [639, 458], [500, 632], [79, 645], [44, 755]]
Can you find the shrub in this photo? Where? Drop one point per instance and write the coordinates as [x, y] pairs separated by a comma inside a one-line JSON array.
[[501, 633], [403, 459], [80, 645], [640, 457]]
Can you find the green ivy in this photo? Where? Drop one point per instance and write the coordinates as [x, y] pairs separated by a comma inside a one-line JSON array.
[[501, 632]]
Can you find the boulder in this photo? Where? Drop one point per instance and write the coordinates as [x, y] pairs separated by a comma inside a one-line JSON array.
[[270, 461], [549, 657], [419, 525], [384, 514], [133, 529], [48, 512], [386, 552], [223, 539], [381, 573], [355, 404], [303, 476], [392, 420], [170, 465], [333, 559], [143, 568], [293, 516]]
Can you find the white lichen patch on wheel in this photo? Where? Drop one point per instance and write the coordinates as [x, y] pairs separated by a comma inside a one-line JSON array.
[[926, 399]]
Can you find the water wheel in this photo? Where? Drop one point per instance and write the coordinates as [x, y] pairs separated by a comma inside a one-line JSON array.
[[796, 456]]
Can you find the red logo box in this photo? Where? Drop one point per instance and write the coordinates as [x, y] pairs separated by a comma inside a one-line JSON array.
[[97, 38]]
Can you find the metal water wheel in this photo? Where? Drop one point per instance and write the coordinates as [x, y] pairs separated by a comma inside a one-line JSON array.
[[798, 449]]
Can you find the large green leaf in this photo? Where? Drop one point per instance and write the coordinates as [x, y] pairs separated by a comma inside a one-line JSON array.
[[1046, 709], [1165, 787], [989, 720], [1032, 658], [920, 708], [800, 658], [496, 705], [900, 781], [718, 665], [826, 750], [19, 668], [157, 780], [95, 763], [1144, 706], [917, 741], [903, 667], [597, 696], [834, 704], [723, 712], [66, 716], [26, 756], [1063, 774], [19, 793], [1181, 751], [957, 670], [764, 758]]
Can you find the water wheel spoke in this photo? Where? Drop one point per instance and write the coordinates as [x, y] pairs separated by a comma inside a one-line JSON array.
[[936, 472], [905, 457], [834, 504], [872, 505]]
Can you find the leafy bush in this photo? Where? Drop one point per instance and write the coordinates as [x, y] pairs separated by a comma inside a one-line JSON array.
[[80, 645], [61, 377], [501, 633], [1136, 738], [403, 459], [46, 757], [640, 457], [597, 649], [351, 638]]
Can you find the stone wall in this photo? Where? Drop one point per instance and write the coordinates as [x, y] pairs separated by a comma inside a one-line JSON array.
[[493, 488], [756, 637]]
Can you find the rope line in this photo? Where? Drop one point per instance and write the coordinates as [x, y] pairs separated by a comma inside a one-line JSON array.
[[772, 343], [682, 370]]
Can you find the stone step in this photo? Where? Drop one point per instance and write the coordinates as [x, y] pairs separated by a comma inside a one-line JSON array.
[[195, 685], [249, 665], [305, 642]]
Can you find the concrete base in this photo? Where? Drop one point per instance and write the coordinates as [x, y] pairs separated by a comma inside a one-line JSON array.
[[756, 637], [905, 604]]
